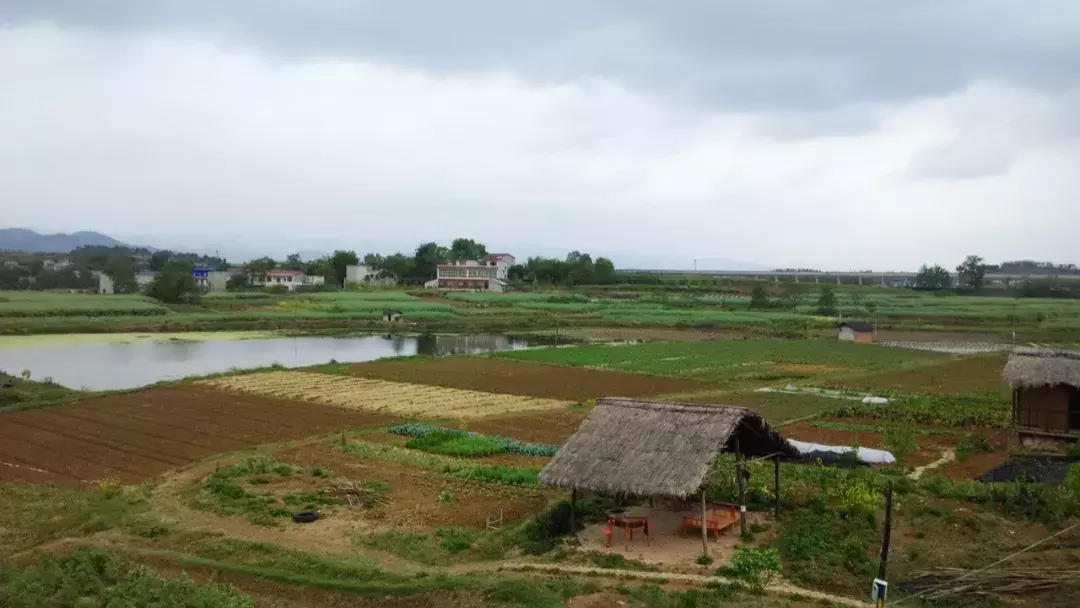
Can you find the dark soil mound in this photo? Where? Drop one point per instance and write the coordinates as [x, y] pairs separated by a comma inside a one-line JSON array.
[[1039, 470]]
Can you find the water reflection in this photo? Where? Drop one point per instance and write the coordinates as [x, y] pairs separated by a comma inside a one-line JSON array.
[[106, 366]]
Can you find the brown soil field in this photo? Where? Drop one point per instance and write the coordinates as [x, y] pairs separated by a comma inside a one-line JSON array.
[[537, 427], [414, 494], [962, 375], [522, 378], [142, 434]]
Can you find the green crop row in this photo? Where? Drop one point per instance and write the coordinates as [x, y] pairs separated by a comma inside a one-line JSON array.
[[976, 409], [503, 444], [457, 467]]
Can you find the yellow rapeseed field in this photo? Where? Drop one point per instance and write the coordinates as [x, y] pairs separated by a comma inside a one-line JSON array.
[[397, 398]]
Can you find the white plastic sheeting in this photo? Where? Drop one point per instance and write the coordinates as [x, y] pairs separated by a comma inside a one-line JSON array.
[[868, 455]]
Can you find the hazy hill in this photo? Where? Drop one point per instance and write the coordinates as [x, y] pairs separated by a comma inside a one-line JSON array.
[[21, 239]]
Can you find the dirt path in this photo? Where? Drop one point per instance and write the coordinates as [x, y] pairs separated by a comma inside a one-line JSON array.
[[779, 588], [946, 457]]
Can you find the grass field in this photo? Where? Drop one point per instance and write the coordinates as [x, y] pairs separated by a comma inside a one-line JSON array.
[[734, 362], [728, 307]]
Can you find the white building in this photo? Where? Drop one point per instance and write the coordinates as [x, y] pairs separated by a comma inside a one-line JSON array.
[[290, 279], [489, 274]]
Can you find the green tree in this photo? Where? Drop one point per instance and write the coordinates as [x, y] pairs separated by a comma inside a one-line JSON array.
[[261, 266], [428, 256], [604, 271], [338, 263], [158, 259], [238, 282], [826, 304], [174, 284], [121, 269], [293, 262], [932, 278], [466, 249], [971, 273], [759, 299]]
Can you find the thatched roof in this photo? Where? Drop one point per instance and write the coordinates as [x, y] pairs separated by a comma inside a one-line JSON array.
[[1035, 367], [648, 448]]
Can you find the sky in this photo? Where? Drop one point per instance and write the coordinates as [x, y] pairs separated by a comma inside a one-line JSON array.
[[834, 134]]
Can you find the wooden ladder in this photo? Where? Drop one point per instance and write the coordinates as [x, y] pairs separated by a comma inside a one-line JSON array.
[[494, 522]]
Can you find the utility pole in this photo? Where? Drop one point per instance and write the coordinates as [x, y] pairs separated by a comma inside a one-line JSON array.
[[880, 586]]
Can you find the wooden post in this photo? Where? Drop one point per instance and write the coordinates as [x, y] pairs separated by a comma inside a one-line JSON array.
[[704, 525], [885, 541], [742, 487], [776, 484], [573, 511]]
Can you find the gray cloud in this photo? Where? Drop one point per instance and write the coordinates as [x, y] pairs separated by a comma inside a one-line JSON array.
[[748, 131], [729, 54]]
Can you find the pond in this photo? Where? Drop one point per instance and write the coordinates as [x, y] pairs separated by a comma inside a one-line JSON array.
[[112, 361]]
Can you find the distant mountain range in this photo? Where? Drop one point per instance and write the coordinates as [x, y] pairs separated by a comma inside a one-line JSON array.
[[21, 239]]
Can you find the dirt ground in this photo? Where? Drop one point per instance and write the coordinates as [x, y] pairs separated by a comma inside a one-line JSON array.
[[553, 427], [666, 546], [962, 375], [413, 498], [139, 435], [522, 378]]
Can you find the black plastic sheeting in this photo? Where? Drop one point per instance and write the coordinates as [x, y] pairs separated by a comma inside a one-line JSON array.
[[1038, 470]]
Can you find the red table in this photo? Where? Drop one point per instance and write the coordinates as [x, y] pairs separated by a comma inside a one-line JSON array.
[[627, 523]]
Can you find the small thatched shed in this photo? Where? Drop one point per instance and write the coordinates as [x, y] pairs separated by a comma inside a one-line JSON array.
[[1046, 391], [645, 448]]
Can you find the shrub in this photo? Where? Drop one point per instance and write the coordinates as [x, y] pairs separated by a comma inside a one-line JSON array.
[[1072, 452], [704, 560], [91, 577], [756, 567]]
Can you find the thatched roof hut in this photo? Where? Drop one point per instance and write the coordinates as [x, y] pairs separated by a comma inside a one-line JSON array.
[[1040, 367], [644, 448]]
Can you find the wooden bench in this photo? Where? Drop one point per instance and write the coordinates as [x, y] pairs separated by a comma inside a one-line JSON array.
[[720, 518]]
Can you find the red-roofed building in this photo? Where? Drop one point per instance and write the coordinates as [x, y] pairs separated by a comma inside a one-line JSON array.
[[489, 274]]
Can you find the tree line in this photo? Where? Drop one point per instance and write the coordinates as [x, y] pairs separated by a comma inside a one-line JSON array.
[[970, 276]]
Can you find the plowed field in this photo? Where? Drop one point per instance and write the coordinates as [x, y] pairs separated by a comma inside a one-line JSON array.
[[139, 435], [522, 378], [396, 398]]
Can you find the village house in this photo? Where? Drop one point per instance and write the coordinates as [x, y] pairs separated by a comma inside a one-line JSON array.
[[1046, 393], [290, 279], [854, 331], [488, 274]]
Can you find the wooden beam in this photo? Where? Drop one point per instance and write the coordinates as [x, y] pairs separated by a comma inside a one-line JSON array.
[[742, 486], [776, 484], [573, 511], [704, 525]]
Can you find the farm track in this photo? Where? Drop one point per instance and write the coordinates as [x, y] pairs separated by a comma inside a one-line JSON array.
[[142, 434]]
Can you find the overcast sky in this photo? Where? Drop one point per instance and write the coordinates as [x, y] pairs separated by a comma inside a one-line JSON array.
[[829, 134]]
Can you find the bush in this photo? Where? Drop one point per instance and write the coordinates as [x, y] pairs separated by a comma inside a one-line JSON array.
[[1072, 452], [91, 578], [826, 548], [756, 567]]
